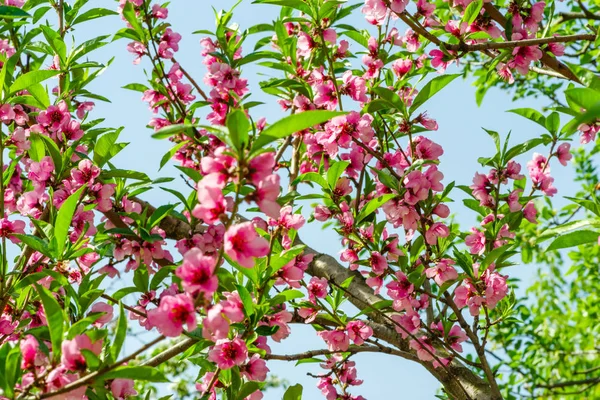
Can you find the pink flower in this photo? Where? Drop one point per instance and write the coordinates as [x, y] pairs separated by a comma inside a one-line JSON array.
[[400, 288], [211, 202], [107, 311], [398, 6], [83, 108], [476, 241], [440, 60], [72, 358], [255, 369], [442, 272], [435, 231], [215, 326], [260, 167], [266, 195], [317, 288], [375, 11], [563, 153], [29, 350], [466, 295], [122, 388], [288, 220], [358, 331], [496, 287], [407, 323], [322, 213], [6, 113], [172, 313], [336, 340], [197, 273], [242, 243], [513, 201], [378, 263], [530, 212], [54, 116], [138, 49], [40, 172], [9, 228], [227, 353], [402, 66]]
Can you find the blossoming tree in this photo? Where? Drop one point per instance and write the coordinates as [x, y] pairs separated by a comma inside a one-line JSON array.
[[223, 272]]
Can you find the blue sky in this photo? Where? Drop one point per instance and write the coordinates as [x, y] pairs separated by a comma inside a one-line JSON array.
[[460, 122]]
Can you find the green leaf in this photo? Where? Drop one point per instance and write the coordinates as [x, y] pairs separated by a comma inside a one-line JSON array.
[[335, 171], [160, 213], [553, 122], [131, 17], [431, 88], [246, 300], [391, 97], [54, 152], [293, 393], [472, 11], [38, 92], [247, 390], [573, 239], [313, 177], [530, 114], [10, 12], [373, 205], [279, 261], [149, 374], [171, 130], [104, 146], [37, 150], [492, 257], [286, 296], [237, 123], [292, 124], [579, 98], [31, 78], [93, 14], [54, 316], [120, 333], [64, 219]]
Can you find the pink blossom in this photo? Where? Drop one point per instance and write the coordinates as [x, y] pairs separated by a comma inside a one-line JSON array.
[[72, 358], [563, 153], [255, 369], [336, 340], [466, 295], [40, 172], [435, 231], [402, 66], [439, 60], [159, 12], [6, 113], [358, 331], [442, 272], [375, 11], [496, 287], [530, 212], [228, 353], [407, 323], [260, 167], [107, 312], [122, 388], [354, 86], [398, 6], [172, 313], [197, 273], [29, 351], [211, 202], [322, 213], [378, 263], [9, 228], [266, 195], [215, 326], [400, 288], [317, 288], [242, 243], [476, 241], [54, 116], [513, 201]]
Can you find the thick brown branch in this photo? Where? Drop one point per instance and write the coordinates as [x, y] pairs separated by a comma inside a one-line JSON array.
[[521, 43], [314, 353]]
